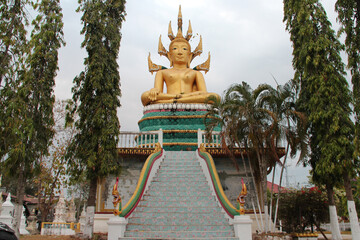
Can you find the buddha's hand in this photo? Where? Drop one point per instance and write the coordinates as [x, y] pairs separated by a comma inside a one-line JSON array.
[[153, 94], [178, 96]]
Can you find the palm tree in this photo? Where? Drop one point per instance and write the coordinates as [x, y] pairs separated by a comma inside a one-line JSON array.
[[245, 123], [292, 125]]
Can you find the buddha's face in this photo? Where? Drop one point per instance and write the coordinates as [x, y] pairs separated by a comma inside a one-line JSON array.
[[179, 52]]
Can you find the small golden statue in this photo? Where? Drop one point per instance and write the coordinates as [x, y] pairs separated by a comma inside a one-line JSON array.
[[241, 198], [184, 85], [117, 199]]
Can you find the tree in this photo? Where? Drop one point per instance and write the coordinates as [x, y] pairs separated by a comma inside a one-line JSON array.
[[246, 123], [96, 95], [323, 94], [291, 128], [13, 52], [53, 175], [27, 117], [349, 18], [13, 22]]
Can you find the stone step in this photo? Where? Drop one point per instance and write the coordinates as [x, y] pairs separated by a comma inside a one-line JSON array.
[[178, 194], [145, 227], [186, 162], [193, 178], [178, 210], [180, 168], [178, 181], [162, 198], [174, 164], [175, 204], [180, 171], [165, 187], [180, 159], [177, 234], [177, 219], [171, 238], [218, 216]]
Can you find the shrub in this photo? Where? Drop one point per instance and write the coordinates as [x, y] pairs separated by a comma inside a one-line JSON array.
[[299, 209]]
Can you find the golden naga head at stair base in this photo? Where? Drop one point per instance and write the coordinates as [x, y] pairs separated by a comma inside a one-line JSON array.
[[183, 84]]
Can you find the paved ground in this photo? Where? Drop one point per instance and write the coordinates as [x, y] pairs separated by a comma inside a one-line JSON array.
[[345, 236], [39, 237]]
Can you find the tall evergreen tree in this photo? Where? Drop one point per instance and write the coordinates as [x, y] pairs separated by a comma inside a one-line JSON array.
[[96, 95], [349, 18], [13, 51], [324, 94], [27, 118], [13, 22]]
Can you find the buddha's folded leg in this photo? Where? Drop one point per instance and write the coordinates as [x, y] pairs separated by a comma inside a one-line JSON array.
[[160, 98], [203, 98]]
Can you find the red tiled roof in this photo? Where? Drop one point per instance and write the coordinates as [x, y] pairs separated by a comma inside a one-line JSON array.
[[275, 187]]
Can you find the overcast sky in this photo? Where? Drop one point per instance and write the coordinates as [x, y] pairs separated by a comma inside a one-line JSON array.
[[246, 38]]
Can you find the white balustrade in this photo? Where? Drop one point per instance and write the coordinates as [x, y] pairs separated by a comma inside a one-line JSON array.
[[147, 139], [214, 142]]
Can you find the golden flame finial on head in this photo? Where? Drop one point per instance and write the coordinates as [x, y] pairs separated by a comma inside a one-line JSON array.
[[179, 34], [180, 19], [179, 37]]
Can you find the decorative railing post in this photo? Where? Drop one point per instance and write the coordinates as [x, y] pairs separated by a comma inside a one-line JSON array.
[[116, 224], [160, 137], [199, 134], [242, 223]]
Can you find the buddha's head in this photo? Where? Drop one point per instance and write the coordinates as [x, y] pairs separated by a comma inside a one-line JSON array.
[[180, 52]]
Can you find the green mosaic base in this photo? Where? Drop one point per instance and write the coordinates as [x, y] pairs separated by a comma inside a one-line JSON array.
[[175, 120]]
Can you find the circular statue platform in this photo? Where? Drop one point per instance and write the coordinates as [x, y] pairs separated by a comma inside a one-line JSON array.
[[179, 122]]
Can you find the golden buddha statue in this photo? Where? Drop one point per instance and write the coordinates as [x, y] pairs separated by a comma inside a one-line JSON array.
[[183, 84]]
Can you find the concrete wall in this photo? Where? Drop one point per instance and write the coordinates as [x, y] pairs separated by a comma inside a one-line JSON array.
[[128, 178], [230, 179]]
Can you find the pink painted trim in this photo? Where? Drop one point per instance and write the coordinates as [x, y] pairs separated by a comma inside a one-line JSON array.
[[142, 192], [212, 181], [177, 110]]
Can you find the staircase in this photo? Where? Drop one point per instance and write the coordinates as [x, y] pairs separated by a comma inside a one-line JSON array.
[[179, 204]]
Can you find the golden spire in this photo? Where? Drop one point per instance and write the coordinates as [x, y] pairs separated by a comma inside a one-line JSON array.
[[161, 49], [198, 50], [205, 66], [170, 32], [189, 32], [180, 19]]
